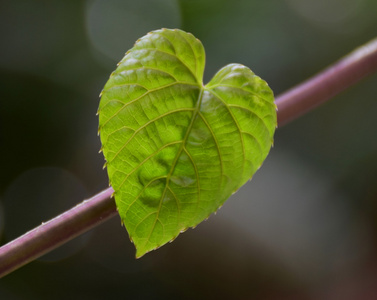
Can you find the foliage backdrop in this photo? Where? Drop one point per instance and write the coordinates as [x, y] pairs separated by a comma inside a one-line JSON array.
[[303, 227]]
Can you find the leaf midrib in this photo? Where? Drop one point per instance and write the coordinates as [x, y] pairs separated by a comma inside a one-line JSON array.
[[179, 152]]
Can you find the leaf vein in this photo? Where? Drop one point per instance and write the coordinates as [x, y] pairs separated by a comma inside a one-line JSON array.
[[196, 174], [178, 204], [237, 125], [216, 144], [115, 131], [193, 52], [252, 112], [240, 88], [135, 100], [145, 160], [141, 192], [151, 68], [258, 142], [176, 56], [148, 123]]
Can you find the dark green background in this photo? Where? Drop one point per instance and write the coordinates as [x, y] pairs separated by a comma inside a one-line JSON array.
[[303, 228]]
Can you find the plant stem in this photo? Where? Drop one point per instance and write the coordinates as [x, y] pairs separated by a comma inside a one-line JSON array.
[[101, 207], [57, 231], [328, 83]]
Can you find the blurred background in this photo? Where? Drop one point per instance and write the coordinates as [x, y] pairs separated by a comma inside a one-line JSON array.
[[304, 228]]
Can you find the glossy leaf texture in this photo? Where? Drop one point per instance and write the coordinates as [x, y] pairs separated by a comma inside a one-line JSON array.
[[175, 149]]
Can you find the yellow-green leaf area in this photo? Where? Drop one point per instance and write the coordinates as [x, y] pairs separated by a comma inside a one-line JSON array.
[[175, 149]]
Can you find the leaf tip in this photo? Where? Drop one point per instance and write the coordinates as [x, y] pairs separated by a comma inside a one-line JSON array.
[[140, 252]]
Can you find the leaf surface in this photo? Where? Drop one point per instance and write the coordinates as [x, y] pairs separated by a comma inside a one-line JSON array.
[[176, 149]]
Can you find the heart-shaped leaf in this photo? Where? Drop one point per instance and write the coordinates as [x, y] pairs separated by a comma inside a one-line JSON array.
[[175, 149]]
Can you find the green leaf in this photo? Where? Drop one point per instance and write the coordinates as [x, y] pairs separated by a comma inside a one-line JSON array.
[[175, 149]]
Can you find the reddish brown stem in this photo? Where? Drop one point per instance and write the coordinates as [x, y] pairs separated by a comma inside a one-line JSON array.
[[57, 231], [92, 212], [328, 83]]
